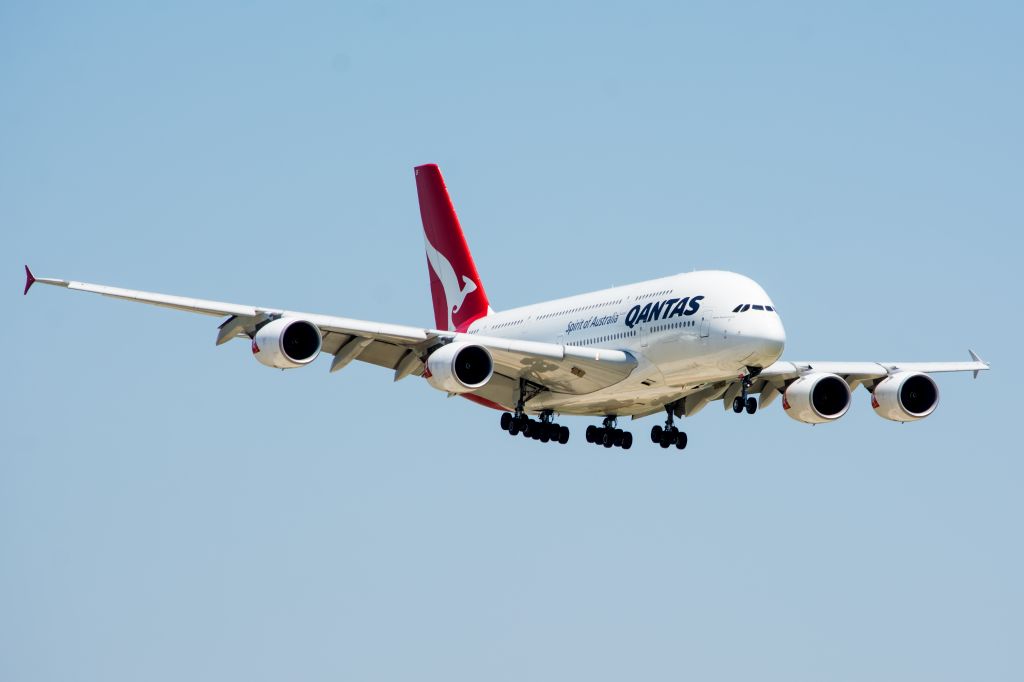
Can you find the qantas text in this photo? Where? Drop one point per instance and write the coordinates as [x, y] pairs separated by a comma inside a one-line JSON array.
[[663, 310]]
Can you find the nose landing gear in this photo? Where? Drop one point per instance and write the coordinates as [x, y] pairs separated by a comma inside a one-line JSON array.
[[749, 404], [745, 401]]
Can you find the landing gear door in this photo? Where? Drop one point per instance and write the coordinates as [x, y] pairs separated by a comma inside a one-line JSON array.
[[705, 323]]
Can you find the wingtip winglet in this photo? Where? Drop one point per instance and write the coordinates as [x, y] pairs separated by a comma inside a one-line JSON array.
[[30, 279], [977, 358]]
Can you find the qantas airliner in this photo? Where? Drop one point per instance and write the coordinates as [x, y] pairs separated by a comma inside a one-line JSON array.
[[671, 345]]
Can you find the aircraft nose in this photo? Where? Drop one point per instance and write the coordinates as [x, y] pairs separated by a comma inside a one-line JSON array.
[[773, 338], [766, 338]]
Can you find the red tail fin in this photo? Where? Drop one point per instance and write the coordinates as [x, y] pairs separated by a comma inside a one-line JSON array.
[[455, 285]]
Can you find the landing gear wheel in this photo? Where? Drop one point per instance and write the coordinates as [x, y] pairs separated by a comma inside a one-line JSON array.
[[617, 437], [607, 438], [681, 441], [627, 440], [563, 434], [751, 405], [737, 404], [656, 434], [591, 434], [666, 439], [513, 428], [506, 420]]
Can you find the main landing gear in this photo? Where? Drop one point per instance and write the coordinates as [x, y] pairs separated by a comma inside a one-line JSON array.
[[609, 436], [668, 435], [545, 429], [744, 401]]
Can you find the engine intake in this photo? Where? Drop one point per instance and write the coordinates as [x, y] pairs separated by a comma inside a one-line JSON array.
[[459, 367], [817, 398], [905, 397], [287, 343]]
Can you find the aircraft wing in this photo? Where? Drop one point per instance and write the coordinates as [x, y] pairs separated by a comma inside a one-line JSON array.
[[773, 379], [573, 370]]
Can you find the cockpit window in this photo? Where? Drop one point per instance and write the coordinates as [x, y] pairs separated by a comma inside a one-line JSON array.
[[744, 307]]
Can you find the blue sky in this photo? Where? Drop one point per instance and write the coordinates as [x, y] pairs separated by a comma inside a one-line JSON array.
[[170, 509]]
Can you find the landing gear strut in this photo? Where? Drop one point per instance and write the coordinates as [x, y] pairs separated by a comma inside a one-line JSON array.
[[668, 435], [745, 401], [544, 429], [608, 435]]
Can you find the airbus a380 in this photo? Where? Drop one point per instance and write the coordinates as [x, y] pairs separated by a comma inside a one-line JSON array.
[[665, 346]]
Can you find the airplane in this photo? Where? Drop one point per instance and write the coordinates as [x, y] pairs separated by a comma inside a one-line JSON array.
[[671, 345]]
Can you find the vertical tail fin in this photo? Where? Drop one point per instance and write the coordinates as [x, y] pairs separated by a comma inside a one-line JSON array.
[[455, 285]]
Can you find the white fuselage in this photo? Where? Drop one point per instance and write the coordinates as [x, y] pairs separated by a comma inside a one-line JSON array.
[[685, 331]]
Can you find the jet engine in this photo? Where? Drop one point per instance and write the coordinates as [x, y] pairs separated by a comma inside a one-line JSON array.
[[286, 343], [459, 367], [817, 398], [905, 397]]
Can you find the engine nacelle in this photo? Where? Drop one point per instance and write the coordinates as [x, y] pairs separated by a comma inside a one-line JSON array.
[[817, 398], [286, 343], [905, 397], [459, 367]]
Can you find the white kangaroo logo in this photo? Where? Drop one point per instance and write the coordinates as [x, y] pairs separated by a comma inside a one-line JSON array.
[[454, 293]]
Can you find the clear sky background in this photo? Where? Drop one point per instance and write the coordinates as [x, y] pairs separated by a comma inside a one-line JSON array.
[[172, 510]]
